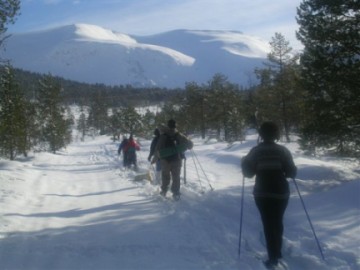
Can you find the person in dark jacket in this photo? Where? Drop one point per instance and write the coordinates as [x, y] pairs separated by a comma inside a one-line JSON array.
[[121, 149], [272, 164], [152, 153], [170, 150]]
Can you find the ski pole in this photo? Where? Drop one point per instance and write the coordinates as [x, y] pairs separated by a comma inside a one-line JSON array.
[[185, 170], [197, 172], [241, 214], [308, 217], [202, 169]]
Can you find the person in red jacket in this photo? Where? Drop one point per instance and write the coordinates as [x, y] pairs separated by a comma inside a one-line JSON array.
[[272, 164], [130, 149]]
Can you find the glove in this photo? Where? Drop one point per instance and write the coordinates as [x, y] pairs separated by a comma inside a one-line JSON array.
[[153, 160]]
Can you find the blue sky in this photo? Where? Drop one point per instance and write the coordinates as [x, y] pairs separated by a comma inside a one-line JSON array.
[[145, 17]]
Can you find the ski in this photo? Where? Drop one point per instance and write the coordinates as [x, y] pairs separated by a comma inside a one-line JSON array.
[[163, 197], [282, 265]]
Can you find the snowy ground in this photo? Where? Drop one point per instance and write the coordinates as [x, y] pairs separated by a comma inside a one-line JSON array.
[[79, 210]]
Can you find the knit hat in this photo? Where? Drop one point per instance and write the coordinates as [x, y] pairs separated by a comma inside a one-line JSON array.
[[157, 132], [171, 123], [269, 131]]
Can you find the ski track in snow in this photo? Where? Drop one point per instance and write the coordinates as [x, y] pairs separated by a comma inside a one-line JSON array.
[[79, 209]]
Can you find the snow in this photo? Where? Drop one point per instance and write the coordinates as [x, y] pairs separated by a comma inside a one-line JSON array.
[[237, 43], [93, 32], [89, 32], [93, 54], [78, 209]]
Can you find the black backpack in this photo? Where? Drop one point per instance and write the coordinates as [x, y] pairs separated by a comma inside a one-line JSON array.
[[170, 151]]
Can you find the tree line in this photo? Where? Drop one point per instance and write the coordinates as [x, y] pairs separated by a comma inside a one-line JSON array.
[[313, 94]]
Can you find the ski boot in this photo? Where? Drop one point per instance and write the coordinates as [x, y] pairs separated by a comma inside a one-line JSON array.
[[271, 263]]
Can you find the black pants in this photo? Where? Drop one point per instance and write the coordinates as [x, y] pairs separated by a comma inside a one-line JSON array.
[[272, 211]]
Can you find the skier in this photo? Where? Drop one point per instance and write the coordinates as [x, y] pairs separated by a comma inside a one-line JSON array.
[[272, 164], [130, 149], [151, 154], [170, 150], [121, 149]]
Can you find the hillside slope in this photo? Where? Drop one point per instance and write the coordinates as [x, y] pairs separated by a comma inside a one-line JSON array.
[[91, 54]]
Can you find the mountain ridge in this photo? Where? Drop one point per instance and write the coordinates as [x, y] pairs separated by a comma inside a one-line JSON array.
[[92, 54]]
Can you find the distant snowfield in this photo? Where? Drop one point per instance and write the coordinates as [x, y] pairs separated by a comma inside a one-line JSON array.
[[78, 209]]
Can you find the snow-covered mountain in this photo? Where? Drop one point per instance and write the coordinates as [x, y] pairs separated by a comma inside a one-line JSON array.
[[89, 53]]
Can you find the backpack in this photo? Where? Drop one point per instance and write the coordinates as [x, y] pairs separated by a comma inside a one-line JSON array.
[[172, 149]]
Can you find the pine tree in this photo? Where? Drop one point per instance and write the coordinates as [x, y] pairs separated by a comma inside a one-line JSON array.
[[222, 102], [279, 91], [114, 124], [98, 112], [82, 124], [148, 124], [329, 30], [130, 121], [31, 127], [55, 127], [125, 121], [13, 136], [9, 9], [196, 107]]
